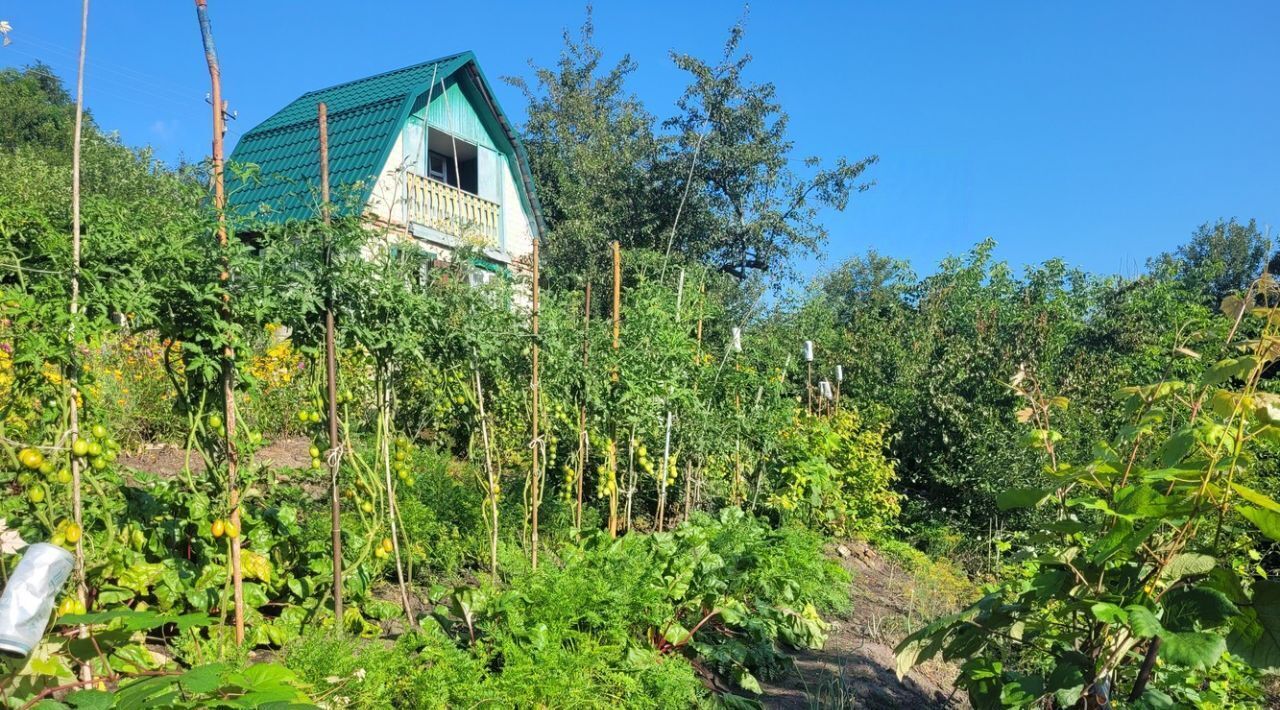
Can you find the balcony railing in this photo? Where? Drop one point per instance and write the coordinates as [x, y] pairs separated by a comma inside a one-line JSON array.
[[451, 211]]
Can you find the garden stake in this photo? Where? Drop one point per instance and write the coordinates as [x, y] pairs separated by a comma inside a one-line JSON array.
[[489, 474], [228, 352], [583, 444], [82, 591], [662, 481], [535, 443], [331, 377], [384, 417]]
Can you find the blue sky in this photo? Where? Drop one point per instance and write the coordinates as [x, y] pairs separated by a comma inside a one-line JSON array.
[[1099, 132]]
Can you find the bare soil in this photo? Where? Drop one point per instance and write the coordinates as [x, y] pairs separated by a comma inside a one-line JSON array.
[[169, 459], [856, 667]]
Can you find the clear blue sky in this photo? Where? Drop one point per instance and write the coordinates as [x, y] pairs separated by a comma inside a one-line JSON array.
[[1097, 131]]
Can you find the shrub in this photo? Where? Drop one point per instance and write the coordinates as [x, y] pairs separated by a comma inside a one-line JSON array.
[[832, 474]]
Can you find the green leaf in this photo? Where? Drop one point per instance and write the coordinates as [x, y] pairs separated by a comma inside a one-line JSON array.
[[1110, 613], [90, 700], [1189, 608], [1143, 622], [1256, 498], [1022, 497], [1177, 447], [1255, 633], [1188, 564], [1228, 369], [1193, 649], [748, 682], [1265, 520], [1067, 684], [203, 679]]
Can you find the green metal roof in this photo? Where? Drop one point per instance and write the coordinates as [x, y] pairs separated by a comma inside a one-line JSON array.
[[365, 116]]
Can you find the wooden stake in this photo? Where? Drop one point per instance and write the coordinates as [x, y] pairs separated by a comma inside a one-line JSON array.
[[617, 297], [82, 590], [228, 351], [536, 444], [331, 378]]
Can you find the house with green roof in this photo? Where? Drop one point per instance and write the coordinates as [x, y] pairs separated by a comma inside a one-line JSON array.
[[424, 150]]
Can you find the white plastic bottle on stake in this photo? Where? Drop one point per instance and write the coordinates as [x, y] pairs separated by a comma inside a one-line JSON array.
[[28, 598]]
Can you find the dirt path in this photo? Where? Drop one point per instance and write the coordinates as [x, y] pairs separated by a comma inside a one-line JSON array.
[[856, 667]]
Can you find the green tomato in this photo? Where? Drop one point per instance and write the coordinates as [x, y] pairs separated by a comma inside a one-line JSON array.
[[99, 431]]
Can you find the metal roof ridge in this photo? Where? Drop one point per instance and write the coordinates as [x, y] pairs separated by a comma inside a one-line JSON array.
[[419, 65]]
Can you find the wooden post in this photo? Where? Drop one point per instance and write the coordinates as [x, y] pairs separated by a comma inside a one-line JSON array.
[[702, 306], [536, 444], [617, 297], [73, 407], [331, 376], [584, 444], [228, 351]]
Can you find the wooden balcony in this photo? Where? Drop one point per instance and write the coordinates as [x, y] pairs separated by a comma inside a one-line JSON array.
[[451, 211]]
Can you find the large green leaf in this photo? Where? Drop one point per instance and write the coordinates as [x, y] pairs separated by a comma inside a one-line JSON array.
[[1193, 649], [1265, 520], [1228, 369], [1259, 499], [1142, 622], [1256, 631], [1188, 564], [1192, 608], [1109, 613], [1022, 497]]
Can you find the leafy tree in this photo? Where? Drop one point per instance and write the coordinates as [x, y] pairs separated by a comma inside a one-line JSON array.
[[1219, 259], [749, 211], [591, 147], [37, 113]]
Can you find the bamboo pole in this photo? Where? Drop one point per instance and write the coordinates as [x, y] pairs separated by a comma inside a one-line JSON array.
[[535, 443], [584, 445], [611, 464], [82, 591], [228, 351], [489, 474], [662, 475], [393, 513], [334, 456], [631, 473]]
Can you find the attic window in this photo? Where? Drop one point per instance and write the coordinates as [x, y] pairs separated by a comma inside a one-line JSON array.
[[440, 167], [452, 161]]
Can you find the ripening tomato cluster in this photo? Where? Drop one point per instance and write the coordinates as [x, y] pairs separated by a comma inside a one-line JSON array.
[[96, 451]]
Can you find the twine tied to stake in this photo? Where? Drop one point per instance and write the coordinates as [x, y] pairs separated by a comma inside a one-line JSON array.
[[334, 456]]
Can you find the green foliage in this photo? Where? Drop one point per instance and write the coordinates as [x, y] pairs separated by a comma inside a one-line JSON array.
[[832, 475], [1219, 259], [612, 621], [1141, 557], [718, 187]]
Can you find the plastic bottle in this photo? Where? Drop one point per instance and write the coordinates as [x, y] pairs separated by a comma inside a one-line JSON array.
[[28, 598]]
